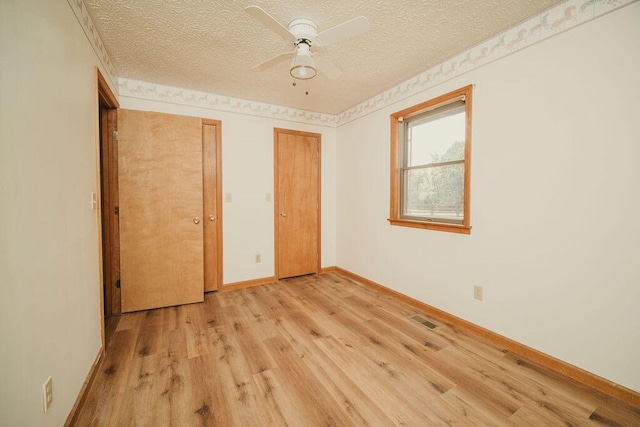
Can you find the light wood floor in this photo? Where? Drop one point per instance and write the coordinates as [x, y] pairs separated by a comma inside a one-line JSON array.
[[321, 350]]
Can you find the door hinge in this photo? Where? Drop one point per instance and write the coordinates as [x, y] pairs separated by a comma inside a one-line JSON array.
[[115, 135], [116, 210], [118, 284]]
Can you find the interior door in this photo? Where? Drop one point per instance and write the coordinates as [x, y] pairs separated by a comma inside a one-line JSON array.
[[161, 206], [297, 202]]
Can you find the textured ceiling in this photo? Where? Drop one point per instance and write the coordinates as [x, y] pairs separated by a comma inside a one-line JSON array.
[[211, 46]]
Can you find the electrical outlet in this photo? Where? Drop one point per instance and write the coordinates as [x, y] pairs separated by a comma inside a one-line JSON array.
[[227, 198], [268, 197], [477, 292], [47, 390], [258, 258]]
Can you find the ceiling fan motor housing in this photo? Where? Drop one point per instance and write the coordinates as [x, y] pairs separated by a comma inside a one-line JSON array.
[[303, 29]]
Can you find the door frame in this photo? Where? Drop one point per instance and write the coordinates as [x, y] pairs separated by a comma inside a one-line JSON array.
[[276, 195], [103, 97], [109, 203], [207, 176]]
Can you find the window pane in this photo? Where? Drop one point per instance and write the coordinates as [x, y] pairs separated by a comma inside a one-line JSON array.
[[434, 141], [435, 192]]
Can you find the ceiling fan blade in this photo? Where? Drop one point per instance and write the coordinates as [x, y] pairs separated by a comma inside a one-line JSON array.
[[274, 61], [269, 22], [352, 28], [327, 67]]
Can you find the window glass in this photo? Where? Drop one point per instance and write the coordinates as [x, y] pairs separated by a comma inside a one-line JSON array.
[[436, 141]]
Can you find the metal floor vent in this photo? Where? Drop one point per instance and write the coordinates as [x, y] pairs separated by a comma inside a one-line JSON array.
[[419, 319]]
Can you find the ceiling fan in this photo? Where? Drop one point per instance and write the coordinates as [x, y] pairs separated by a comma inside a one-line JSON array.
[[304, 35]]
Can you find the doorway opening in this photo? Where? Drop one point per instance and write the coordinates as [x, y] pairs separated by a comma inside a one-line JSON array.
[[107, 175]]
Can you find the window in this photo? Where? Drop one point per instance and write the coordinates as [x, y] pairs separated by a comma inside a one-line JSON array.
[[430, 163]]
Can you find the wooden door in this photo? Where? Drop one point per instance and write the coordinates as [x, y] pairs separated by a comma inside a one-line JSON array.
[[161, 206], [109, 214], [212, 189], [297, 202]]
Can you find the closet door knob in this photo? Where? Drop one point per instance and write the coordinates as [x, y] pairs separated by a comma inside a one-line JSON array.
[[283, 214], [196, 220], [212, 218]]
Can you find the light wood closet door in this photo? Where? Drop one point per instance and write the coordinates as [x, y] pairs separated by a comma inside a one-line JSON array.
[[212, 189], [161, 224], [297, 207]]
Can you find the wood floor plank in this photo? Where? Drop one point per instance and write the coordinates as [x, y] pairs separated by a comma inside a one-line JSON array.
[[374, 384], [353, 401], [195, 334], [151, 340], [396, 346], [285, 405], [322, 350], [613, 413], [564, 407], [105, 395], [252, 347], [130, 321], [252, 309], [139, 400], [473, 408], [320, 408], [207, 399]]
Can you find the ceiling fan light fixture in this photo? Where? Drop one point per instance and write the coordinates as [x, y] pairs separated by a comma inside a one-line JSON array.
[[303, 67], [303, 71]]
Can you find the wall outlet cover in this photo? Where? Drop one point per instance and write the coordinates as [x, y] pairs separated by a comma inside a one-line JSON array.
[[47, 393], [477, 292]]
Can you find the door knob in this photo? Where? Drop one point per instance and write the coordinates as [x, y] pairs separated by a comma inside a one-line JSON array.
[[283, 214], [196, 220], [212, 218]]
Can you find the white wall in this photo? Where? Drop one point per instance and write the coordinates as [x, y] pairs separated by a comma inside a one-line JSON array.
[[247, 174], [49, 280], [553, 201]]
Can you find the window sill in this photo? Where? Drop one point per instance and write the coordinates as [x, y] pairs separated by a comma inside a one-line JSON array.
[[438, 226]]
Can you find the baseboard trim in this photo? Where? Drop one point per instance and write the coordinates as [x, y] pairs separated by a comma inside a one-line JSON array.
[[72, 419], [248, 283], [549, 362], [264, 280]]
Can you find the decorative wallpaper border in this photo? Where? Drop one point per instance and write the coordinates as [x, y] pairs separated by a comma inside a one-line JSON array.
[[156, 92], [555, 20], [80, 10]]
